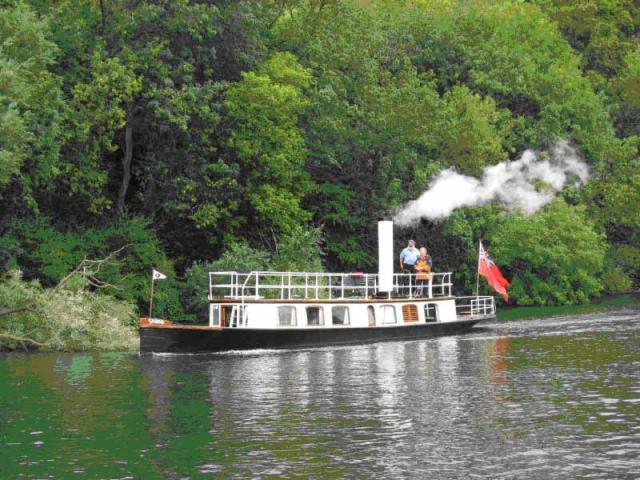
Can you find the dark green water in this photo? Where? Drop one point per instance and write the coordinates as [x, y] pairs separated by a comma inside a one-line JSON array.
[[553, 398]]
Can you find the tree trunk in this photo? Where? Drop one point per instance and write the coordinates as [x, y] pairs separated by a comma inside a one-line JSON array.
[[102, 18], [126, 167]]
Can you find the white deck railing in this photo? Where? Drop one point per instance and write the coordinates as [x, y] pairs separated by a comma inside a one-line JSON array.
[[475, 306], [322, 286]]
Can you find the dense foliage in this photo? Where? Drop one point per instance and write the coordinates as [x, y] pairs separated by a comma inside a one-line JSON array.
[[70, 319], [192, 131]]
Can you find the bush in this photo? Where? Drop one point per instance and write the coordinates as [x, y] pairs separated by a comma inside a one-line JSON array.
[[552, 257], [298, 250], [626, 259], [48, 255], [616, 281]]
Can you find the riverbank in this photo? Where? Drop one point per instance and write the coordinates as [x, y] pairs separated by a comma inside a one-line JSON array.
[[604, 303]]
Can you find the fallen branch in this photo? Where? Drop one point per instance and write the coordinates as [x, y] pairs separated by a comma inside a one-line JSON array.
[[88, 270], [21, 340], [11, 311]]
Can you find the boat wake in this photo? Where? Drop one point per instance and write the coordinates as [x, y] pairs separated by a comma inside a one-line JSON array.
[[599, 322], [226, 353]]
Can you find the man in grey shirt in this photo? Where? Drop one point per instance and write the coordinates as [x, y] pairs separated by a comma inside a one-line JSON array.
[[408, 257]]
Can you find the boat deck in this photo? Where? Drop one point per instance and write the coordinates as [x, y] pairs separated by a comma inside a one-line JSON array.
[[146, 322]]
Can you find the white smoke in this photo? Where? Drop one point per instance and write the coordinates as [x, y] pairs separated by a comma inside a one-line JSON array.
[[516, 184]]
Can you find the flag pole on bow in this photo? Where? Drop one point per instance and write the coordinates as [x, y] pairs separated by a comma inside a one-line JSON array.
[[478, 270], [155, 275]]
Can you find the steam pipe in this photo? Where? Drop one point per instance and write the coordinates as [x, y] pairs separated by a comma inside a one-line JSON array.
[[385, 256]]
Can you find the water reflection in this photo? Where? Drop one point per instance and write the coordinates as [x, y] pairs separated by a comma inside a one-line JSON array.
[[498, 359], [557, 398]]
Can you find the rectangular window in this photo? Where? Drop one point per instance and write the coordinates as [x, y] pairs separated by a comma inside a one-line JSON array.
[[287, 317], [388, 314], [430, 312], [214, 315], [340, 315], [410, 313], [315, 316]]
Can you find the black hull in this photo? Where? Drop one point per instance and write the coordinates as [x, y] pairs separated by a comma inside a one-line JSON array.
[[185, 340]]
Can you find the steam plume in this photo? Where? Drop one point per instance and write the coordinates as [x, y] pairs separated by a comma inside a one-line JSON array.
[[512, 183]]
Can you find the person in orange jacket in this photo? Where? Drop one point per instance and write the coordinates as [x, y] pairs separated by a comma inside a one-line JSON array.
[[423, 271]]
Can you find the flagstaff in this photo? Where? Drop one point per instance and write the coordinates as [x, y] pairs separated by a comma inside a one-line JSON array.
[[155, 275], [478, 269]]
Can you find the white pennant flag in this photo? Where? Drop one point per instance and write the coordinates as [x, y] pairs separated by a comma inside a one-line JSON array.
[[158, 276]]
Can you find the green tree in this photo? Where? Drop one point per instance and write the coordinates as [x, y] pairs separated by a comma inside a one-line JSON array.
[[471, 136], [265, 107], [513, 53], [30, 101], [603, 31], [133, 109], [370, 128], [553, 257], [625, 96]]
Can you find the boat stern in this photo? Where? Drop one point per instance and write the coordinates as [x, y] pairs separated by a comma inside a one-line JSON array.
[[475, 308]]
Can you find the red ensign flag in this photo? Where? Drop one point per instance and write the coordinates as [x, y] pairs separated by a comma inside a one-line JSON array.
[[489, 270]]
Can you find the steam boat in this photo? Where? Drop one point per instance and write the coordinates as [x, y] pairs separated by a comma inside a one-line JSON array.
[[258, 310]]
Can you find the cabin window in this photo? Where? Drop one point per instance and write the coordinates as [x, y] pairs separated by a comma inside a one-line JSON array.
[[287, 317], [430, 312], [410, 313], [340, 315], [214, 315], [388, 314], [315, 316], [371, 313]]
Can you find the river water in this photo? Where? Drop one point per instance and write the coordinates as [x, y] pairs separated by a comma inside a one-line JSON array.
[[552, 398]]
